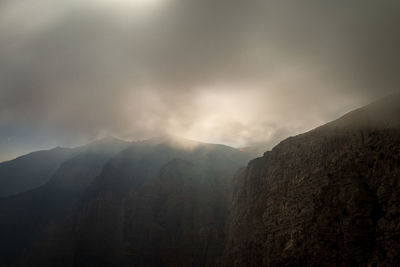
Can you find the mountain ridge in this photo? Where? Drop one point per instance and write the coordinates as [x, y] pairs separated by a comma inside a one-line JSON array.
[[326, 197]]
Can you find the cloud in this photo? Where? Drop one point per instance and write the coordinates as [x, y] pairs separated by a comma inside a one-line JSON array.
[[236, 72]]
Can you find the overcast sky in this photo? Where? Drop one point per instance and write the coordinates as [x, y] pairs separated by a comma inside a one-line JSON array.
[[224, 71]]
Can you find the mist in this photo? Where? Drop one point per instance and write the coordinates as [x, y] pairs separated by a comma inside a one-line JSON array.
[[232, 72]]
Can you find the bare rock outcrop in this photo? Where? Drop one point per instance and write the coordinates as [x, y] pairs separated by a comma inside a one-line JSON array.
[[329, 197]]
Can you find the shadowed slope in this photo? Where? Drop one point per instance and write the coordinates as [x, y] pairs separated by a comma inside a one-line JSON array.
[[24, 216], [328, 197], [157, 202], [31, 171]]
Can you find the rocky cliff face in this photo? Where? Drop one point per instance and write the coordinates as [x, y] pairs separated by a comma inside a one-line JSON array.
[[329, 197]]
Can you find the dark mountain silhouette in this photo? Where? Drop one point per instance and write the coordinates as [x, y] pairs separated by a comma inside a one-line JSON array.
[[161, 202], [35, 169], [31, 171], [329, 197], [24, 216]]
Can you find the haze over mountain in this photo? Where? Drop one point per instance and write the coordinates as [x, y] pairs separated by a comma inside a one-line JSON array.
[[326, 197], [126, 127], [23, 216], [30, 171], [63, 221], [226, 71], [34, 169]]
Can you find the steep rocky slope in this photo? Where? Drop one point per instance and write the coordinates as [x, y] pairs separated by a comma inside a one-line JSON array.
[[162, 202], [329, 197]]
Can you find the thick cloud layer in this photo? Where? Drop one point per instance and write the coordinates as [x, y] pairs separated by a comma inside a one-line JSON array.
[[228, 71]]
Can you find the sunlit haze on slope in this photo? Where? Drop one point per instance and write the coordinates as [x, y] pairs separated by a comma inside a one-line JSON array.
[[232, 72]]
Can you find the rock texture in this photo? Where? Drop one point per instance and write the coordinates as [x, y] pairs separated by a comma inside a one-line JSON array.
[[329, 197]]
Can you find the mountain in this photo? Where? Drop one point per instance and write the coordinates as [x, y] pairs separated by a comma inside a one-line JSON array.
[[161, 202], [329, 197], [24, 216], [31, 171]]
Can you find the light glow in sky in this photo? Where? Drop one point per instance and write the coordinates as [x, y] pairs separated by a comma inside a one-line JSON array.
[[140, 5], [226, 71]]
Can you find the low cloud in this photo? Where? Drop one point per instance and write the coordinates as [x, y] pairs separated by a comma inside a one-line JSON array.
[[233, 72]]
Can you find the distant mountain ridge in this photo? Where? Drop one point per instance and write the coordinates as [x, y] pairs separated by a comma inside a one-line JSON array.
[[111, 171], [35, 169], [145, 194], [328, 197], [31, 170], [23, 216]]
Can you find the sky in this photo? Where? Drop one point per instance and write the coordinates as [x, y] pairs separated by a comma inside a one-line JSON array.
[[235, 72]]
